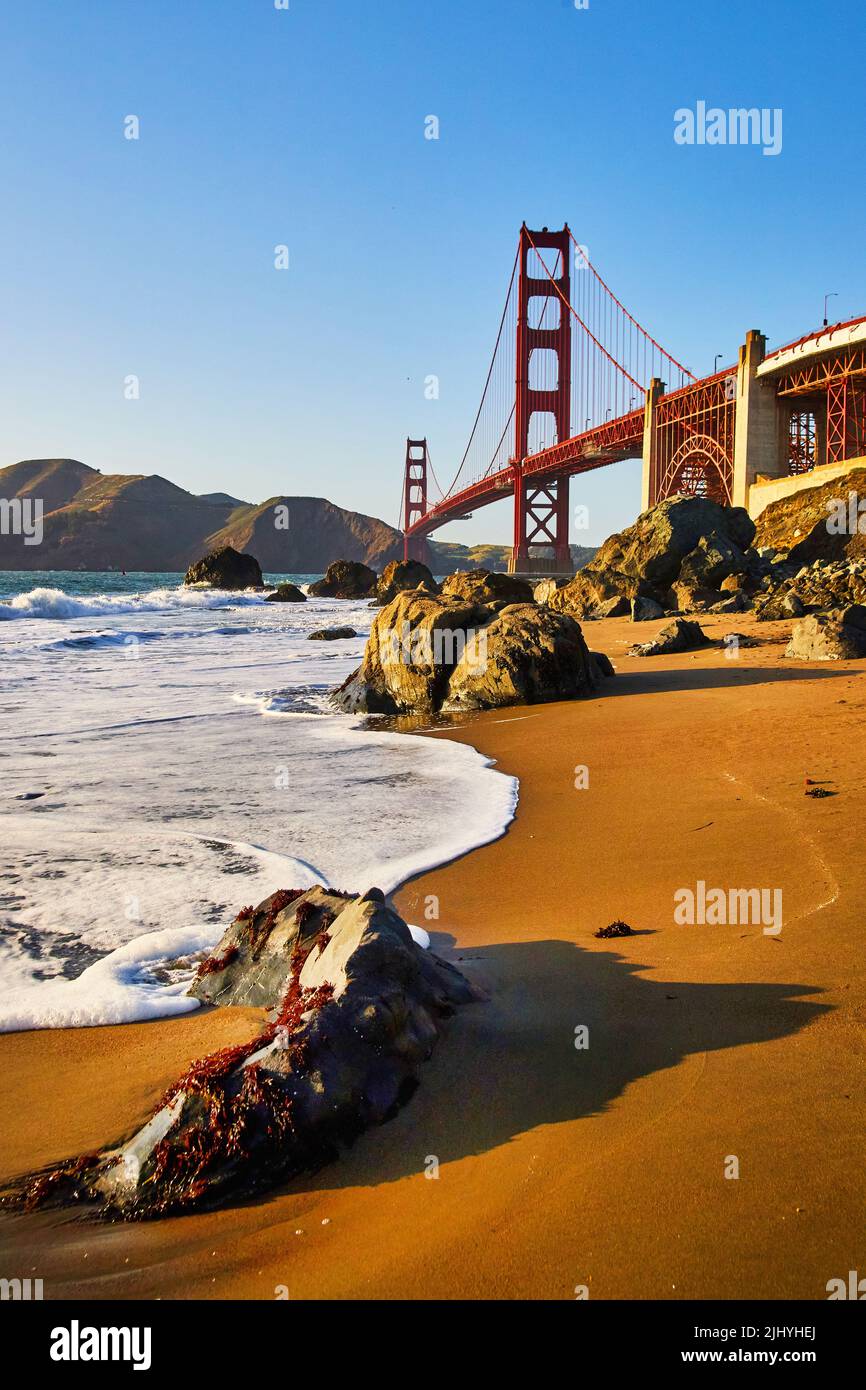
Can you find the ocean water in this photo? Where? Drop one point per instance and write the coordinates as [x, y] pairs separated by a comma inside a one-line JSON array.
[[168, 756]]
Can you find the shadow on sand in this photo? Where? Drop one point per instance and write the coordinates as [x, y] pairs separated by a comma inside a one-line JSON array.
[[510, 1064]]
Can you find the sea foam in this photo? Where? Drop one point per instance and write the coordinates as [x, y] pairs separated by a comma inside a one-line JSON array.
[[163, 770]]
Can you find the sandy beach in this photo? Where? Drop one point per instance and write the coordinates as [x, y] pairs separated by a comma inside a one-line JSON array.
[[561, 1168]]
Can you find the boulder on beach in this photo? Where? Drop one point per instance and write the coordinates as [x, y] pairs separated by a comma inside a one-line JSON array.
[[331, 634], [286, 593], [678, 636], [487, 587], [356, 1007], [836, 636], [644, 609], [226, 568], [412, 649], [524, 656], [401, 575], [603, 664], [345, 579], [428, 652]]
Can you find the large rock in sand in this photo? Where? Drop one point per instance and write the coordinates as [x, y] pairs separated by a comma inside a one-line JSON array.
[[526, 655], [355, 1009], [413, 647], [226, 568], [428, 652], [661, 538], [644, 610], [678, 636], [836, 636]]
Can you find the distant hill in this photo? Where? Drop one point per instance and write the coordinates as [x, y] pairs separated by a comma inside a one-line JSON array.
[[449, 556], [96, 521]]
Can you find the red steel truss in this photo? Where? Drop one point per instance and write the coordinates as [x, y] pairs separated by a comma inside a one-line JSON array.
[[837, 377], [693, 440]]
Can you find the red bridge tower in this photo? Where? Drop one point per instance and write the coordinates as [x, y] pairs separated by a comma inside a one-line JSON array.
[[543, 322], [414, 496]]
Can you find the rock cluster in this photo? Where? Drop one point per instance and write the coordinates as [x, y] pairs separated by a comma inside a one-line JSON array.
[[820, 585], [428, 652], [677, 554], [355, 1008]]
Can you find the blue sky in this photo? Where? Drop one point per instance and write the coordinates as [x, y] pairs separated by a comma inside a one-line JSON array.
[[305, 127]]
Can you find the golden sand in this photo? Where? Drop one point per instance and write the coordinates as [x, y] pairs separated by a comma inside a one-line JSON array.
[[560, 1166]]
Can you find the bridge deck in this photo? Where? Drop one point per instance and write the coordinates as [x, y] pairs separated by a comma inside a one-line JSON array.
[[611, 442]]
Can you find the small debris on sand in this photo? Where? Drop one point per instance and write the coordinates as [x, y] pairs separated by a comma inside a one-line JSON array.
[[615, 929]]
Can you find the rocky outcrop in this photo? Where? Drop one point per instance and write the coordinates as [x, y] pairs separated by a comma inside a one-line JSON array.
[[676, 552], [484, 586], [815, 524], [345, 579], [226, 569], [401, 575], [286, 593], [678, 636], [428, 652], [662, 538], [836, 636], [331, 634], [355, 1008]]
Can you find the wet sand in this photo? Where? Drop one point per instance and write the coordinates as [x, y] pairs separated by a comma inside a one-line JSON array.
[[561, 1167]]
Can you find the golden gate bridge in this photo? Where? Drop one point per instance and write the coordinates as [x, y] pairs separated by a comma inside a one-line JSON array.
[[568, 353]]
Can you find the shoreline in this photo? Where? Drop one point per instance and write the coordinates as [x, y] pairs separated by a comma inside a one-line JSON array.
[[561, 1168]]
